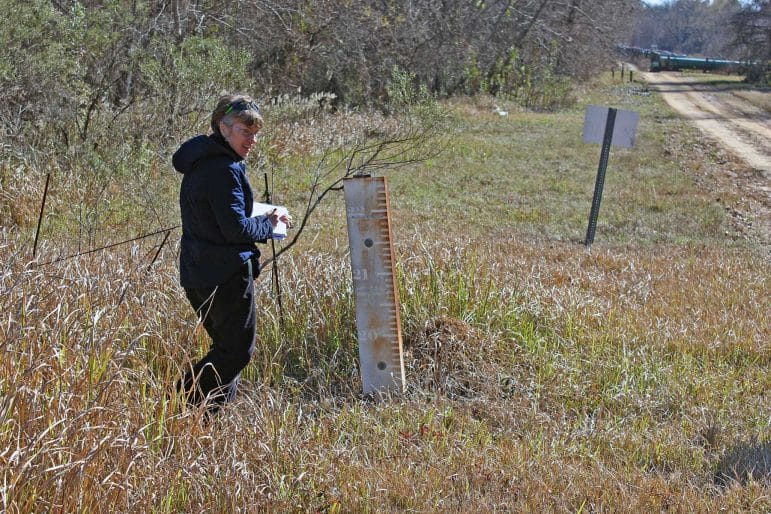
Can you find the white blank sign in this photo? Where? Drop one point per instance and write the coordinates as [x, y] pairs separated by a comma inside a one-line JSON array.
[[623, 130]]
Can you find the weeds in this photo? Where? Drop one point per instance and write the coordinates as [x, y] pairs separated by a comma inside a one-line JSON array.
[[541, 375]]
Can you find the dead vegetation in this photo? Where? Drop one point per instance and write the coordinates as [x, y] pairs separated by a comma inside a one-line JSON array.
[[543, 376], [601, 378]]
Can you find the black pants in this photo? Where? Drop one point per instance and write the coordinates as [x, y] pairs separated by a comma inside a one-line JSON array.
[[227, 312]]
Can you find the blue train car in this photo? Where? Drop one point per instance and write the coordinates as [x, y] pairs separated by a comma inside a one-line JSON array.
[[662, 62]]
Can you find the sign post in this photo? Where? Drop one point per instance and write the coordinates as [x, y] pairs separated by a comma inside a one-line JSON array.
[[608, 126]]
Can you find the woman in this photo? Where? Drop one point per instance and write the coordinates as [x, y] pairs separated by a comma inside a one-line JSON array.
[[218, 259]]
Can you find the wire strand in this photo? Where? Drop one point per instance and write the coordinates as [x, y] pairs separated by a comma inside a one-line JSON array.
[[112, 245]]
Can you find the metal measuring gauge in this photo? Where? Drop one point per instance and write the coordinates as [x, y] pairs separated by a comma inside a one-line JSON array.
[[374, 284]]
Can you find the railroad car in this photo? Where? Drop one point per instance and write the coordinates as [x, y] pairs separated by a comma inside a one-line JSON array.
[[661, 62]]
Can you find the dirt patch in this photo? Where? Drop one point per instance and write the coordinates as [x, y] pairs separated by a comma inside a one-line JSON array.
[[739, 122]]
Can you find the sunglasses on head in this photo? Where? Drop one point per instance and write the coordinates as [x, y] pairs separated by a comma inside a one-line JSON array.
[[242, 105]]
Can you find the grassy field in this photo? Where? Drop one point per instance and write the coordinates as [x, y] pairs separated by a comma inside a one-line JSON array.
[[542, 375]]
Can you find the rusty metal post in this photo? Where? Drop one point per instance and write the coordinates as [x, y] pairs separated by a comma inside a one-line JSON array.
[[40, 217], [274, 267], [600, 181]]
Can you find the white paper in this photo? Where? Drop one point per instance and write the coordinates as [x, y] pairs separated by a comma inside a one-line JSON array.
[[258, 209]]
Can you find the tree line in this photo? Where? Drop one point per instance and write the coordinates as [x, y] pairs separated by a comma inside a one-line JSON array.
[[730, 29], [71, 70], [69, 60]]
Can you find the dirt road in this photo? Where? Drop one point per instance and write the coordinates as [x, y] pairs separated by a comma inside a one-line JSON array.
[[739, 125], [739, 120]]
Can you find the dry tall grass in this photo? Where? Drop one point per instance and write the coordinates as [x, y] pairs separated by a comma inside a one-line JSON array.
[[543, 376], [615, 385]]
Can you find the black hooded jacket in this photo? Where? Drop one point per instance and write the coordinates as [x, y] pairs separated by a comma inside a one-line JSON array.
[[215, 200]]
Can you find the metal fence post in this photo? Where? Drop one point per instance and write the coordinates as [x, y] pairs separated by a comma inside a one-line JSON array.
[[599, 183]]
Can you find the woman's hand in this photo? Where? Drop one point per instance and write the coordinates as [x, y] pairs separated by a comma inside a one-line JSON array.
[[274, 218]]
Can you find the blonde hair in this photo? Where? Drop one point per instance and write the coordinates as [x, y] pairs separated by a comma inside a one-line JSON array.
[[232, 108]]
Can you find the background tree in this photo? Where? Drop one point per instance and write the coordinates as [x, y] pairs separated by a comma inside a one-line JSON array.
[[692, 27], [730, 29], [752, 37]]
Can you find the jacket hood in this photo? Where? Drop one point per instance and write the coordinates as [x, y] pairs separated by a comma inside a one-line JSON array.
[[201, 147]]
